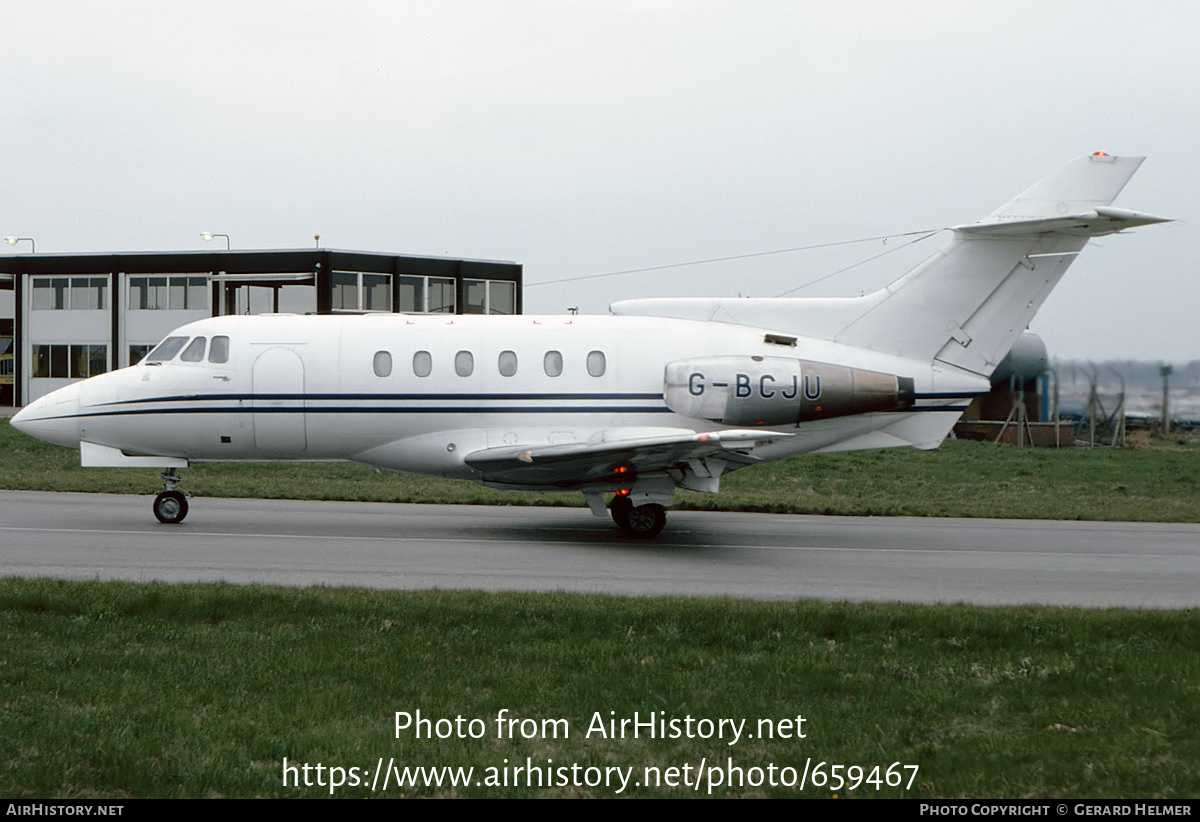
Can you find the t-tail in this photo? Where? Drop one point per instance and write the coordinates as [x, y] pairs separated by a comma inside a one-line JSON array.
[[966, 305]]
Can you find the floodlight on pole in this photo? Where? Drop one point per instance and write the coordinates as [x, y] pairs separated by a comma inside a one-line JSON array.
[[208, 235], [15, 240]]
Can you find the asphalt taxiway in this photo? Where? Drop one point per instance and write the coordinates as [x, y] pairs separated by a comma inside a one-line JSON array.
[[759, 556]]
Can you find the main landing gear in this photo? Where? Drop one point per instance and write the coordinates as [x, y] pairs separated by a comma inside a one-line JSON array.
[[638, 521], [170, 506]]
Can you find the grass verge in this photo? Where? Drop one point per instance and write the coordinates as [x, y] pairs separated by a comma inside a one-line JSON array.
[[124, 690]]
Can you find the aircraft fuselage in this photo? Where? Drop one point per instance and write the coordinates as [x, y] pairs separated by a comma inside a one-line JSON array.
[[418, 393]]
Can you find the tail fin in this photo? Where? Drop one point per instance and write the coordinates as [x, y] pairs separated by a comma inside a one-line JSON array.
[[1080, 186], [968, 304]]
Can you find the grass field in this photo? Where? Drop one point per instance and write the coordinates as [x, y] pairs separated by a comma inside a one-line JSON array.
[[1156, 483], [124, 690]]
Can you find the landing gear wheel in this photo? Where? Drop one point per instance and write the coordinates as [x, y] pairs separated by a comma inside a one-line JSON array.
[[619, 508], [170, 507], [642, 521]]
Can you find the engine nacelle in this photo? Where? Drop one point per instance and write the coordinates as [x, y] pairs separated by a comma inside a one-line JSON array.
[[748, 391]]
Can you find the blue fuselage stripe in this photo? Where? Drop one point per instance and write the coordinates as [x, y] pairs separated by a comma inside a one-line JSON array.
[[388, 397], [467, 404], [378, 409]]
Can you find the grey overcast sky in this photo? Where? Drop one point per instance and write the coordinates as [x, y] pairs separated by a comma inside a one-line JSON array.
[[583, 138]]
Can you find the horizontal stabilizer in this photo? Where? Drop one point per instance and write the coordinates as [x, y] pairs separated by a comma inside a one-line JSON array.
[[1094, 223]]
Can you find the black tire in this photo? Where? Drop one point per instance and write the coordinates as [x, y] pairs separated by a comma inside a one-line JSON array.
[[619, 508], [170, 507], [642, 521]]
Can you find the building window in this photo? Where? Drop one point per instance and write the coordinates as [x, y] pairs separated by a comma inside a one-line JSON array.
[[412, 294], [70, 293], [474, 296], [68, 361], [136, 352], [382, 363], [422, 363], [595, 363], [489, 297], [440, 296], [173, 293], [552, 362], [50, 293], [51, 361], [254, 299], [345, 291], [502, 297], [377, 292], [355, 291]]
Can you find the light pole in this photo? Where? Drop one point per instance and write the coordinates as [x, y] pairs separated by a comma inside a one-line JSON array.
[[15, 240], [208, 235]]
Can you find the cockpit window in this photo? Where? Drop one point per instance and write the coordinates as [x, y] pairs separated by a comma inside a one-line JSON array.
[[195, 351], [219, 350], [166, 350]]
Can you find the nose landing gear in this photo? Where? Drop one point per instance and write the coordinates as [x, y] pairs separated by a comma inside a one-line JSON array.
[[170, 506]]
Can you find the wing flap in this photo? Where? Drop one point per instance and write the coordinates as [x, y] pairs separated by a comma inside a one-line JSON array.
[[610, 457]]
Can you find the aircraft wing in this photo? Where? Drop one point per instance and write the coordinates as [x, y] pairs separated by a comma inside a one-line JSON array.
[[611, 456]]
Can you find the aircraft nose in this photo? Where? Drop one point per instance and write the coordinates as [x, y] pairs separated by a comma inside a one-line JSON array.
[[53, 418]]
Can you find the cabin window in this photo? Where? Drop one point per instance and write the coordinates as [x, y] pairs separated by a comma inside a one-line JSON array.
[[552, 362], [166, 349], [595, 363], [422, 363], [195, 351], [219, 350], [508, 363], [383, 363], [464, 363]]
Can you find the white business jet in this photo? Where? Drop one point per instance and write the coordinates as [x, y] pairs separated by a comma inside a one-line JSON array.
[[663, 394]]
